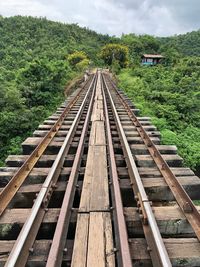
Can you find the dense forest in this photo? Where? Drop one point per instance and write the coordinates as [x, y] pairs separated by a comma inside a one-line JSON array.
[[186, 44], [34, 70], [170, 92], [37, 60]]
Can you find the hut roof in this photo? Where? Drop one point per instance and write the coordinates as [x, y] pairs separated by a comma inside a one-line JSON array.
[[152, 56]]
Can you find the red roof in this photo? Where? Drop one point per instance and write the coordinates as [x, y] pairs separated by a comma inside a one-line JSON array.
[[152, 56]]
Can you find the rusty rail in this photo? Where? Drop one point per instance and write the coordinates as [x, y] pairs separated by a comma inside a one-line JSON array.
[[58, 244], [20, 252], [125, 257], [19, 177], [184, 201], [154, 240]]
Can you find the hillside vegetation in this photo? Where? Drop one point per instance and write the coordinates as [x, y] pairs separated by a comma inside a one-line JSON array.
[[169, 93], [173, 101], [38, 57], [186, 44], [34, 70]]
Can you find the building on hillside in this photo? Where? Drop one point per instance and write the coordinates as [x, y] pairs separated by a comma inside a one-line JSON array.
[[150, 59]]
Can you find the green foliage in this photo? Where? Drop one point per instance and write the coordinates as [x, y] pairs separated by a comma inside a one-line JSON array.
[[171, 97], [115, 66], [139, 45], [76, 58], [186, 44], [187, 142], [34, 71], [115, 54], [40, 79], [83, 65]]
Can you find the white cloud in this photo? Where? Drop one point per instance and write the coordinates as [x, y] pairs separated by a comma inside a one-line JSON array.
[[29, 8], [157, 17]]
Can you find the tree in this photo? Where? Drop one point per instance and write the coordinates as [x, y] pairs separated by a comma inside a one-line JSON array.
[[40, 80], [111, 53], [76, 58], [83, 64]]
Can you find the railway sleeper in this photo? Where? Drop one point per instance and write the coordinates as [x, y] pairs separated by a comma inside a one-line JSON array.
[[63, 127], [31, 142], [63, 133], [181, 251], [156, 188], [37, 175], [170, 219], [47, 160]]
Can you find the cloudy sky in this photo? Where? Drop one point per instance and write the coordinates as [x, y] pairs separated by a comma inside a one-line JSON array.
[[156, 17]]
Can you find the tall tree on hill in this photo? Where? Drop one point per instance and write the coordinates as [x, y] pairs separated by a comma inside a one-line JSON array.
[[115, 54]]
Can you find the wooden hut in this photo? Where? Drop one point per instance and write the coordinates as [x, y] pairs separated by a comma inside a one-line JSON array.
[[151, 59]]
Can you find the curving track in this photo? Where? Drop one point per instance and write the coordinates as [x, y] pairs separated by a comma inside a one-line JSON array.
[[94, 187]]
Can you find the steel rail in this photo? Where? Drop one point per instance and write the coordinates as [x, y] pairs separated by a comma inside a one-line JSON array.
[[9, 191], [182, 198], [20, 251], [125, 256], [157, 248], [59, 240]]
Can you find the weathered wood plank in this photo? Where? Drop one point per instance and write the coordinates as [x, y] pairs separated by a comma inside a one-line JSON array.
[[147, 160], [182, 252], [156, 189], [95, 185], [141, 149], [154, 172], [97, 134], [97, 114], [79, 256], [132, 127], [170, 220], [7, 172], [100, 242]]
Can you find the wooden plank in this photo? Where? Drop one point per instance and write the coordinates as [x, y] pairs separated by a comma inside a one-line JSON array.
[[141, 149], [137, 140], [136, 148], [97, 113], [95, 194], [146, 127], [154, 172], [41, 133], [157, 189], [47, 127], [44, 161], [95, 198], [96, 252], [99, 190], [170, 219], [182, 251], [37, 175], [100, 243], [85, 196], [100, 104], [97, 134], [79, 256], [147, 160]]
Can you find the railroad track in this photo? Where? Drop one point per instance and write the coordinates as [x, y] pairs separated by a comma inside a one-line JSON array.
[[94, 187]]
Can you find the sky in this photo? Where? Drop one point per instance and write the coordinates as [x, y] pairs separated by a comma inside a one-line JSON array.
[[114, 17]]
